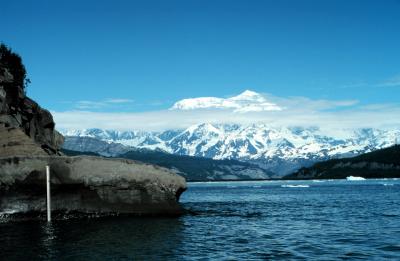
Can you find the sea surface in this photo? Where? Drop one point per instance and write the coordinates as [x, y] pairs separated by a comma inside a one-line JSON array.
[[278, 220]]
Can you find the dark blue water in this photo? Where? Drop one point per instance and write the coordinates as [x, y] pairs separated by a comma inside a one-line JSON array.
[[233, 221]]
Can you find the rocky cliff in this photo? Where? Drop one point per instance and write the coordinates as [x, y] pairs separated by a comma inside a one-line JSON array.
[[18, 112], [84, 184]]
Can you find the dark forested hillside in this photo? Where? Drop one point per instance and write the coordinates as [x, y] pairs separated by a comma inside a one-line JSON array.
[[192, 168], [383, 163], [200, 169]]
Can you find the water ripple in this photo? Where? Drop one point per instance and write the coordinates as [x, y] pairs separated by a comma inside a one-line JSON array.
[[253, 221]]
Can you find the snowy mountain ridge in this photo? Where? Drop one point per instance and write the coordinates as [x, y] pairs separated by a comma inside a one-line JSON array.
[[248, 101], [279, 149]]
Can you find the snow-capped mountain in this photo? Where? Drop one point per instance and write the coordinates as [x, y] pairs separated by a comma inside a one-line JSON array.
[[248, 101], [280, 150], [192, 168]]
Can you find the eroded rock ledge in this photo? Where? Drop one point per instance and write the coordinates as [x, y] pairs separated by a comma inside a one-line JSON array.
[[89, 185]]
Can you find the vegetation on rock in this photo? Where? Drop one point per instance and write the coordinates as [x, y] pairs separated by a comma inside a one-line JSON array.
[[12, 63]]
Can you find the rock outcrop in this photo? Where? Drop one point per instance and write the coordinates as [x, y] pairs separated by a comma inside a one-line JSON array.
[[17, 111], [29, 142], [89, 185], [14, 142]]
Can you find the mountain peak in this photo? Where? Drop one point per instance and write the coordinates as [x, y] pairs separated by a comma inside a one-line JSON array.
[[248, 93], [247, 101]]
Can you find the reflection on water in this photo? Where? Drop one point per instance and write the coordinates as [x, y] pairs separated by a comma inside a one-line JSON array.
[[240, 221], [92, 239], [47, 241]]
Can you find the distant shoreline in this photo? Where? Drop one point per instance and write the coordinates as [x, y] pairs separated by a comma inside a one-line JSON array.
[[255, 180]]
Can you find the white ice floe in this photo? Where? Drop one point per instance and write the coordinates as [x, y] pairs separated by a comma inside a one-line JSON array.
[[352, 178]]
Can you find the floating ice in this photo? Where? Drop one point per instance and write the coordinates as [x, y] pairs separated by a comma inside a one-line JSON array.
[[352, 178]]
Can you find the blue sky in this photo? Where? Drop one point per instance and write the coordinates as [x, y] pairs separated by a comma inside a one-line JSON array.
[[139, 56]]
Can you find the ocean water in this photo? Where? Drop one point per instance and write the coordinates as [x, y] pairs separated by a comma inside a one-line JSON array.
[[278, 220]]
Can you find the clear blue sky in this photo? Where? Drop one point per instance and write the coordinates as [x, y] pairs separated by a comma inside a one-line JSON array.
[[157, 52]]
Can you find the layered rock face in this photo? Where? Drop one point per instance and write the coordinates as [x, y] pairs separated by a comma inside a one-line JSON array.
[[89, 185], [29, 142], [15, 142]]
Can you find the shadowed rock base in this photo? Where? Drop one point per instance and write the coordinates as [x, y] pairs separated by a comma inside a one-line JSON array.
[[89, 185]]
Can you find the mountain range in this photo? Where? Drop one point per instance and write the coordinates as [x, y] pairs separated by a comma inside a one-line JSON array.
[[280, 150], [190, 167]]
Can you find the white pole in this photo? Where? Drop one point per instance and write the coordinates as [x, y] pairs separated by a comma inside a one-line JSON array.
[[48, 193]]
